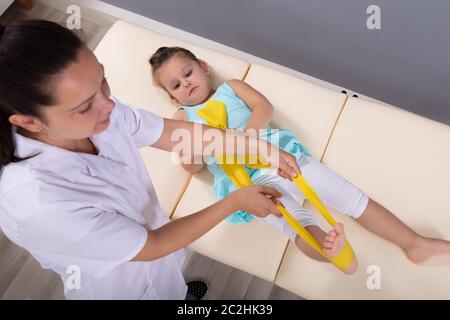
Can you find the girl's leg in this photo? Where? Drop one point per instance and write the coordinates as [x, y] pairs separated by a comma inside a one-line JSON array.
[[306, 218], [292, 201], [332, 243], [341, 195]]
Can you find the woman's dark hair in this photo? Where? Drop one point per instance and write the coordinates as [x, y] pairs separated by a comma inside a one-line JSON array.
[[31, 53], [165, 53]]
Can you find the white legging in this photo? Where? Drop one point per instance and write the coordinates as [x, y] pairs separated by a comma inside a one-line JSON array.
[[334, 191]]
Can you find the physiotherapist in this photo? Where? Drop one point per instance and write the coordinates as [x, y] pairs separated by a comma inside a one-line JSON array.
[[74, 190]]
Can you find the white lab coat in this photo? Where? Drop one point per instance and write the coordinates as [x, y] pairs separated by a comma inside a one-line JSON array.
[[80, 212]]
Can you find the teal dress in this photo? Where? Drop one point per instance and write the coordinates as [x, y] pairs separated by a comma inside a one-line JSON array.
[[238, 115]]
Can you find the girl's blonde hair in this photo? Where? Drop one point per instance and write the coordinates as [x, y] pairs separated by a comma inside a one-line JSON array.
[[165, 53]]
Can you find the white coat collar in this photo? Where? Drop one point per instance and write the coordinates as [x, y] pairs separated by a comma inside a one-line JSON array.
[[65, 163]]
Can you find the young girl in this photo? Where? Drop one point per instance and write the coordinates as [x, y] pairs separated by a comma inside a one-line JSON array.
[[187, 80]]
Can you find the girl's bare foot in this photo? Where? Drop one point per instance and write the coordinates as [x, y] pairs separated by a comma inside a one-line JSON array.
[[426, 248], [334, 242]]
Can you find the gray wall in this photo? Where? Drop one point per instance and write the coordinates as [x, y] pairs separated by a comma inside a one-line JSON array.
[[406, 63]]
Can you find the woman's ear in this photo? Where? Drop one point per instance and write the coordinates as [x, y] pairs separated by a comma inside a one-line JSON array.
[[29, 123]]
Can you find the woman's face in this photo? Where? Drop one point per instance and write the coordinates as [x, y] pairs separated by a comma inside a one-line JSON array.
[[83, 106], [187, 81]]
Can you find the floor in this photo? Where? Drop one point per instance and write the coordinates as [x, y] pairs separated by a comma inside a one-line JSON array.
[[21, 276]]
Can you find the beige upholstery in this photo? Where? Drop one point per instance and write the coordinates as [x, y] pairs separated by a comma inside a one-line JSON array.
[[402, 161], [308, 110], [124, 52], [399, 159]]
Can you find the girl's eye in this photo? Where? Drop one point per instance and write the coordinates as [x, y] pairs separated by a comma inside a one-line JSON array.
[[176, 86], [189, 73], [86, 110]]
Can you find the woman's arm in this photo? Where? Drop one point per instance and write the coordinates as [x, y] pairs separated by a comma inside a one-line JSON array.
[[210, 141], [262, 109], [195, 163], [177, 234]]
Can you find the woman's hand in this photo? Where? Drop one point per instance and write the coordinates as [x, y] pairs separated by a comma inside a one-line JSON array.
[[257, 200]]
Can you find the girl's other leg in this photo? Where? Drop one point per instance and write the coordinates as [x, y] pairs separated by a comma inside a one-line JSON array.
[[383, 223], [341, 195]]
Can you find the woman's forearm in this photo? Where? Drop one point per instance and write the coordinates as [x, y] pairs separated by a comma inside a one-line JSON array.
[[188, 139], [181, 232]]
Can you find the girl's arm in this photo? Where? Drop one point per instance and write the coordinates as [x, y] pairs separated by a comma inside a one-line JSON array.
[[262, 109], [196, 163]]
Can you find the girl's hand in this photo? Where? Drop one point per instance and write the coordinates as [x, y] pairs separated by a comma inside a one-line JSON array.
[[288, 167], [257, 200], [284, 161]]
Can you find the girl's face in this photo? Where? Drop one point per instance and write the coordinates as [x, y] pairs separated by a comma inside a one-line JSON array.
[[82, 108], [187, 81]]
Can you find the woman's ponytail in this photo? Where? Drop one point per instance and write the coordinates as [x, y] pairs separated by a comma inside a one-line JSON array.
[[6, 138], [6, 142], [32, 53]]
